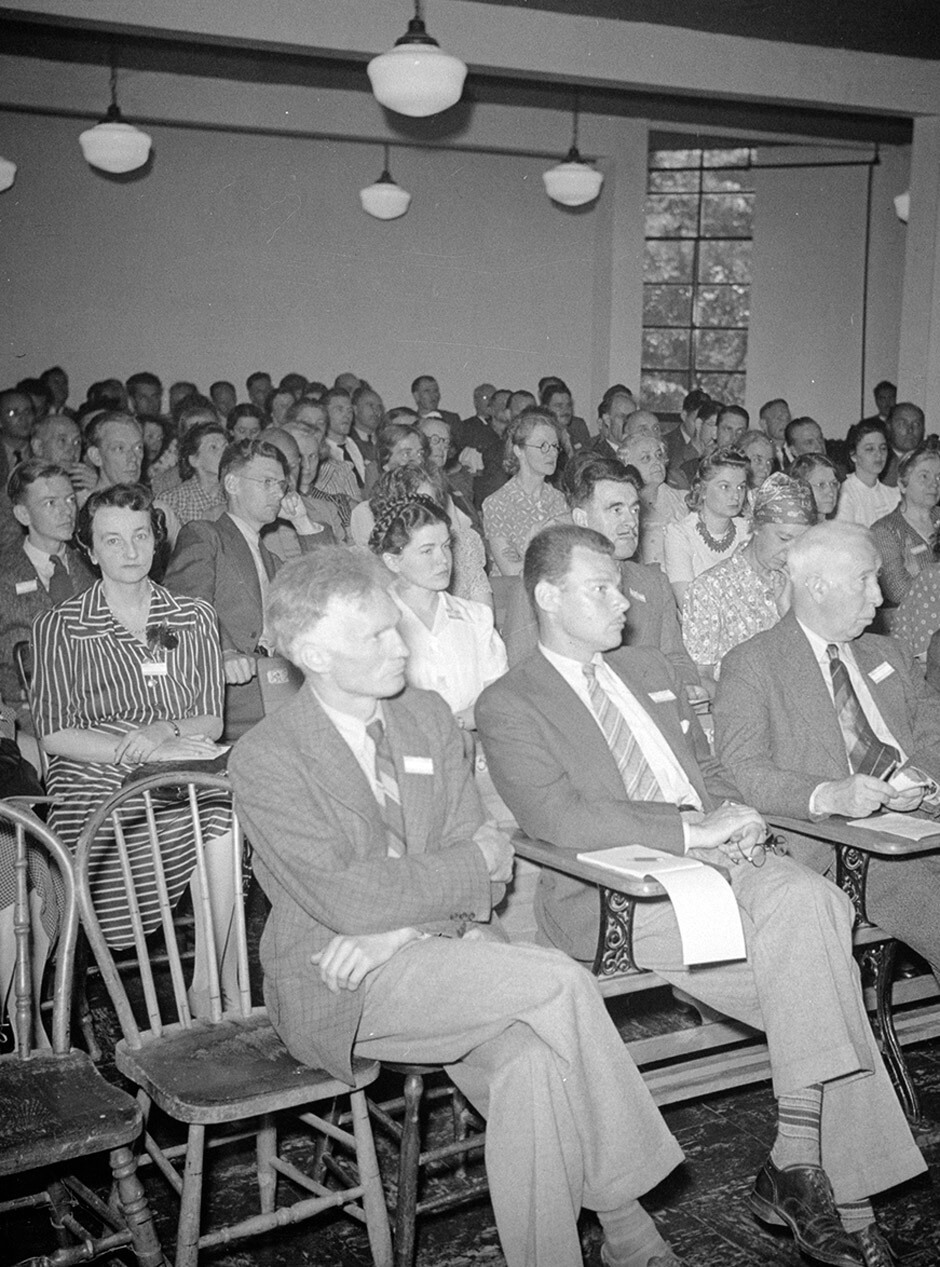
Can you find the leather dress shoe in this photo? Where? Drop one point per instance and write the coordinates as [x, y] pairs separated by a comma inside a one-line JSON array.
[[800, 1198], [876, 1252]]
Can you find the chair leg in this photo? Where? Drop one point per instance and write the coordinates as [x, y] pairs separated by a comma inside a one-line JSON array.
[[879, 960], [134, 1208], [187, 1235], [80, 995], [60, 1205], [460, 1116], [373, 1196], [266, 1151], [408, 1158]]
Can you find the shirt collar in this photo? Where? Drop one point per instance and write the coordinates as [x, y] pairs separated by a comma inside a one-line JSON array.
[[566, 664], [820, 644], [251, 535], [352, 729]]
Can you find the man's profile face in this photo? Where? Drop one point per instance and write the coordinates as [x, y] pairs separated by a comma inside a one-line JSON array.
[[592, 607], [852, 592], [49, 508], [905, 429], [58, 440], [147, 399], [340, 414], [807, 438], [364, 652], [255, 491], [731, 427], [368, 411], [885, 400], [427, 395], [613, 511], [775, 420], [313, 418], [119, 453], [621, 407]]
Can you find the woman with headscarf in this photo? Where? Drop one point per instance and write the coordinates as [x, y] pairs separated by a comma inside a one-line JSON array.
[[749, 591]]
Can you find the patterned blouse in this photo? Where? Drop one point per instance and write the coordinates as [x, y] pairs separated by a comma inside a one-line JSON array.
[[918, 617], [904, 553], [727, 605], [516, 515]]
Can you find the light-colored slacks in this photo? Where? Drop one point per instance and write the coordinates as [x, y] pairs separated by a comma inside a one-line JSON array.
[[524, 1034]]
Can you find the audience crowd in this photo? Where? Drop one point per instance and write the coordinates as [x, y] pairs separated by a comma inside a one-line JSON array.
[[576, 594]]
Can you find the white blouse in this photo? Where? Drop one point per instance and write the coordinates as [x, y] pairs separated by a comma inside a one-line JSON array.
[[859, 504], [460, 656]]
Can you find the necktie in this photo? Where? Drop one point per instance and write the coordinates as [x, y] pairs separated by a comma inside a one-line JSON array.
[[60, 588], [866, 752], [388, 780], [638, 779]]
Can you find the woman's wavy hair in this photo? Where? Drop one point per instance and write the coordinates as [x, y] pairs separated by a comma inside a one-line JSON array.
[[389, 434], [123, 497], [399, 520], [189, 446], [707, 469]]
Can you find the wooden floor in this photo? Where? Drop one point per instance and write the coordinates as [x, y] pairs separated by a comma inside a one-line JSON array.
[[700, 1208]]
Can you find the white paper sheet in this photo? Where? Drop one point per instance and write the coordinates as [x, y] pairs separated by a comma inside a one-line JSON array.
[[902, 825], [704, 904]]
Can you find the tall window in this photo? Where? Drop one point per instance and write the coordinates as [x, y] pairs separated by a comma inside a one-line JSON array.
[[697, 275]]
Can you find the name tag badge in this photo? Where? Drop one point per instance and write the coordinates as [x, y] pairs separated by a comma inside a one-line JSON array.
[[418, 765], [27, 587], [685, 724], [881, 672], [921, 549], [640, 598], [154, 668], [661, 697]]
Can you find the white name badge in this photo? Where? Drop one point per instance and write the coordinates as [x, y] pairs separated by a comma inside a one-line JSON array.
[[661, 697], [418, 765], [27, 587], [154, 668], [921, 549], [640, 598], [881, 672]]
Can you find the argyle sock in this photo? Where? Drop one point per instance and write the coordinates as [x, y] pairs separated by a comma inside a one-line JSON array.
[[798, 1128], [856, 1214], [631, 1237]]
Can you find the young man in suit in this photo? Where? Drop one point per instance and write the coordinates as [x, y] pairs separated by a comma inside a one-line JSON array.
[[781, 731], [226, 562], [591, 750], [44, 569], [371, 845]]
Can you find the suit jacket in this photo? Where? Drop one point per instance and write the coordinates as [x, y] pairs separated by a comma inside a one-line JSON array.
[[652, 621], [18, 611], [11, 531], [212, 560], [321, 858], [680, 452], [776, 728], [552, 766]]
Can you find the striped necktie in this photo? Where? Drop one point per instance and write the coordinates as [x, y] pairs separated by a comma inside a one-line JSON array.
[[387, 779], [866, 752], [638, 778]]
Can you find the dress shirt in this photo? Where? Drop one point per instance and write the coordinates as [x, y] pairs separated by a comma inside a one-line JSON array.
[[348, 451], [42, 562], [253, 538], [859, 685], [354, 734], [672, 779]]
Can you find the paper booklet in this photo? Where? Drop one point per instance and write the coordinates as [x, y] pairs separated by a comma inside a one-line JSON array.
[[903, 825], [705, 906]]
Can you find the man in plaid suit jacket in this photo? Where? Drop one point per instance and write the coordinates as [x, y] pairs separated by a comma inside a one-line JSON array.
[[399, 957]]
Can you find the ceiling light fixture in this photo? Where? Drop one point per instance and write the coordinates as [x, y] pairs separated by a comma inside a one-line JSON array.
[[416, 77], [385, 200], [7, 174], [573, 182], [112, 144]]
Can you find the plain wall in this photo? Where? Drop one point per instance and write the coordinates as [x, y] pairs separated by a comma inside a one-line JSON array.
[[805, 340], [237, 253]]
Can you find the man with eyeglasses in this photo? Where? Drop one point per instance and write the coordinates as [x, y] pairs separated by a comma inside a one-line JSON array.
[[593, 745], [226, 562]]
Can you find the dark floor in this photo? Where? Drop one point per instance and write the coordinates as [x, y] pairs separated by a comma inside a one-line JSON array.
[[701, 1208]]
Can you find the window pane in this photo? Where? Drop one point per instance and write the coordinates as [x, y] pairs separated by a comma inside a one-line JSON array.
[[725, 158], [674, 158], [730, 181], [722, 306], [719, 349], [663, 393], [667, 305], [728, 388], [672, 216], [666, 349], [727, 215], [668, 261], [724, 261], [675, 182]]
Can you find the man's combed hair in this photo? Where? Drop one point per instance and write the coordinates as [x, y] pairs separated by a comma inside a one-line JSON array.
[[237, 456], [27, 473], [303, 590], [548, 557], [98, 424], [588, 469]]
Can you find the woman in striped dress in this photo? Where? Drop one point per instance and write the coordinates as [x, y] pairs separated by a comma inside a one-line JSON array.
[[126, 673]]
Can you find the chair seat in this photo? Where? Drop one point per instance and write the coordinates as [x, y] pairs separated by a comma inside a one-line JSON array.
[[56, 1108], [228, 1070]]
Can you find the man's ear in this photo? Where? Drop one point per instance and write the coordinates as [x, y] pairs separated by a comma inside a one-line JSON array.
[[579, 516], [21, 515], [309, 655], [547, 596], [817, 587], [93, 456]]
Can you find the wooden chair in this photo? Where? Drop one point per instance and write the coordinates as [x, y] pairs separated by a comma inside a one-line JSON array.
[[55, 1107], [225, 1065]]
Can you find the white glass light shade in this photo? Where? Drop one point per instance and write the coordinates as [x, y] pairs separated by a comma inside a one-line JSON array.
[[573, 183], [385, 200], [115, 147], [417, 79], [7, 174], [902, 206]]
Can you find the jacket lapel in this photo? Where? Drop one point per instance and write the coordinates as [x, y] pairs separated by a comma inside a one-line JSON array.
[[240, 559], [807, 702]]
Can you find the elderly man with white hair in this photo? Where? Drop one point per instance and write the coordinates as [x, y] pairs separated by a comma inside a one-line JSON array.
[[816, 717]]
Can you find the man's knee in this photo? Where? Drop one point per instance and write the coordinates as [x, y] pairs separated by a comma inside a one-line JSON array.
[[791, 891]]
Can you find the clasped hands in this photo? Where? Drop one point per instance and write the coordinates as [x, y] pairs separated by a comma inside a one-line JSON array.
[[157, 742], [727, 834]]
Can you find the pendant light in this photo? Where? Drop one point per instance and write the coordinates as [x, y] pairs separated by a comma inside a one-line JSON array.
[[112, 144], [415, 77], [385, 199], [7, 174], [573, 183]]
